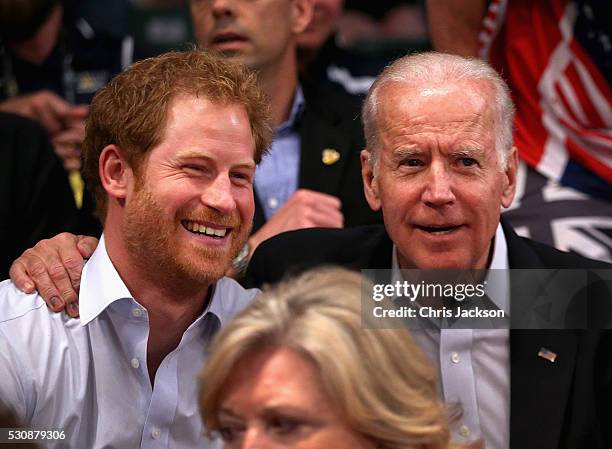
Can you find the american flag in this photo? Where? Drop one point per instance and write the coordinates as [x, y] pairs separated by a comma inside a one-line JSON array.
[[556, 56]]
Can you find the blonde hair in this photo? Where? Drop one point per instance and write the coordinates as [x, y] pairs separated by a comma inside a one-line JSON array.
[[380, 380]]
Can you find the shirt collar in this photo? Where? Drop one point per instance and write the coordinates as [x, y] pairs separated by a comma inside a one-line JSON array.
[[229, 298], [498, 277], [499, 261], [296, 110], [101, 285]]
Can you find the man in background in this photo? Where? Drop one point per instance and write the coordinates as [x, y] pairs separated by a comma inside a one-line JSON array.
[[312, 174], [51, 64]]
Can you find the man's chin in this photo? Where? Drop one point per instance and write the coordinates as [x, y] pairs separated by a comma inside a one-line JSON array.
[[440, 261], [235, 55], [241, 58], [205, 271]]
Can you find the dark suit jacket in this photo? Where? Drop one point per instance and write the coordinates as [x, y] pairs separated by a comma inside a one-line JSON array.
[[36, 201], [331, 120], [565, 404]]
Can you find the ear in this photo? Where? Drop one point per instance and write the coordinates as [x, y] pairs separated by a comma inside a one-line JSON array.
[[115, 173], [509, 187], [301, 14], [370, 182]]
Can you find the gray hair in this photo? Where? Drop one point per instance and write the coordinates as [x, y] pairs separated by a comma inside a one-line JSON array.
[[430, 68]]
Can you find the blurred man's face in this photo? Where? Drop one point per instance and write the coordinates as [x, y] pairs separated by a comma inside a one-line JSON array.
[[192, 209], [255, 33], [37, 48], [326, 13], [439, 182]]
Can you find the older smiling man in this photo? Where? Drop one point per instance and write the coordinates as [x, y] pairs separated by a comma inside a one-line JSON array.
[[440, 164]]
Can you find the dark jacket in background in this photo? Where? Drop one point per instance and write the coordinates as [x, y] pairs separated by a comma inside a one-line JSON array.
[[36, 201], [331, 121]]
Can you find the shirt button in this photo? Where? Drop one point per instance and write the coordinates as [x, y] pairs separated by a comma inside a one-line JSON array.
[[464, 431], [156, 433], [273, 203], [137, 313], [455, 357], [135, 363]]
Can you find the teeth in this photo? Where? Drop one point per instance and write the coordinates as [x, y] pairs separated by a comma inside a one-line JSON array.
[[441, 232], [201, 229]]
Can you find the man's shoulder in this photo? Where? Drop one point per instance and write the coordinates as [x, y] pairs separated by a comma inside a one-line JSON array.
[[322, 241], [356, 248], [231, 297], [525, 253], [554, 258], [17, 305], [32, 344], [26, 323]]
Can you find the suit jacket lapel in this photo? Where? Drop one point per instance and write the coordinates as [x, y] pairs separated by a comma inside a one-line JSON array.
[[317, 135], [538, 388]]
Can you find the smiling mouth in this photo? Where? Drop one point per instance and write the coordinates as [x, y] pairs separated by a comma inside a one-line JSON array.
[[210, 231], [438, 230]]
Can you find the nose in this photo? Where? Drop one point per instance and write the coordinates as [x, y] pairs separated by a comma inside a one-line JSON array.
[[438, 190], [218, 195], [253, 439], [221, 8]]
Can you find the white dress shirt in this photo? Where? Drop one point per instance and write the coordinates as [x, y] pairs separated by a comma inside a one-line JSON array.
[[89, 377], [474, 366]]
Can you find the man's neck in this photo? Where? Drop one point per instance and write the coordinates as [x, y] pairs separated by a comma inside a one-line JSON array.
[[172, 304], [280, 84]]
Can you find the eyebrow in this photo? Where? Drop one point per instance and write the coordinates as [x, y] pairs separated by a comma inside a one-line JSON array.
[[468, 152], [296, 412], [406, 152], [228, 412], [195, 154]]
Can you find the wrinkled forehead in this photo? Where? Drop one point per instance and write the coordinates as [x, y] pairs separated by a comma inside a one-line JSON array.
[[446, 102]]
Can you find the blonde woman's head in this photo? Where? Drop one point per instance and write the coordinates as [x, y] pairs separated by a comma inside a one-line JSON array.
[[298, 367]]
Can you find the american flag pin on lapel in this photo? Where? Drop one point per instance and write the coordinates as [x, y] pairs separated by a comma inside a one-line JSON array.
[[547, 354]]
